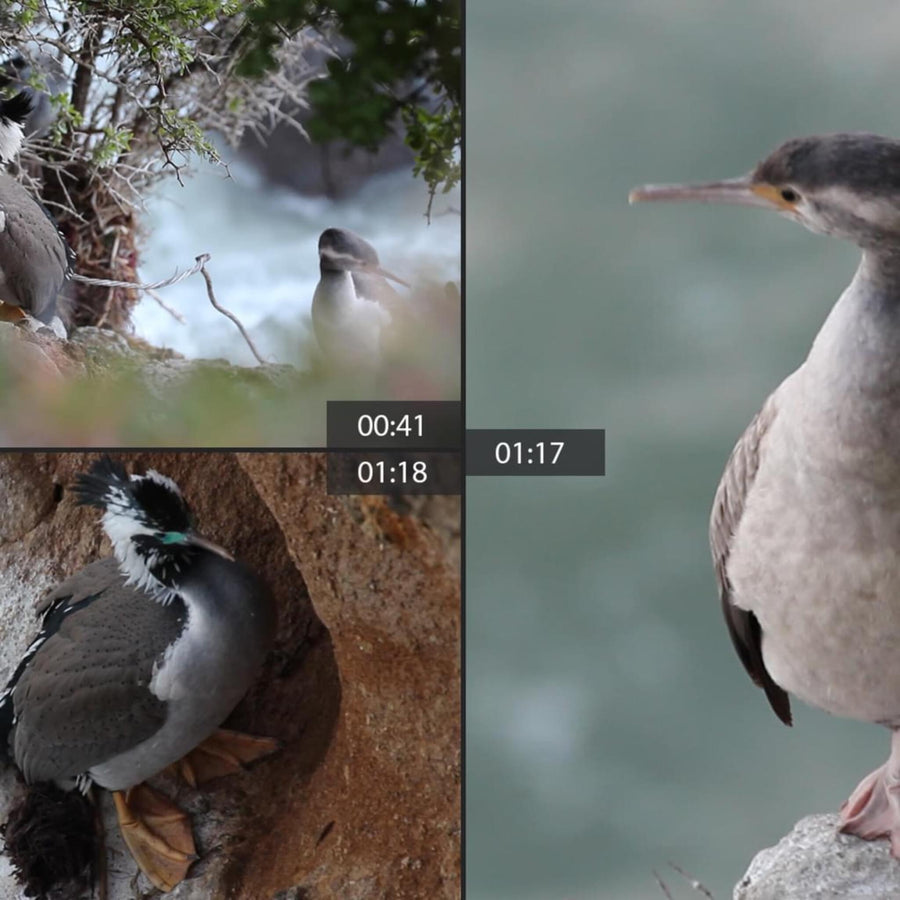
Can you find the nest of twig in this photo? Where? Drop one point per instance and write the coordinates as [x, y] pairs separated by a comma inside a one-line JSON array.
[[126, 112], [104, 241]]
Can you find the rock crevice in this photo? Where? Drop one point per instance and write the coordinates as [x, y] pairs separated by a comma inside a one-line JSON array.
[[362, 686]]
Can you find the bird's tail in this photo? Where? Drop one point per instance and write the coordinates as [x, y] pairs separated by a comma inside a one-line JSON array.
[[6, 724], [50, 839]]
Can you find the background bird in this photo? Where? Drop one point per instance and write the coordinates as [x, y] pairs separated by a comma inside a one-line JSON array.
[[353, 304], [806, 520], [140, 658], [17, 73]]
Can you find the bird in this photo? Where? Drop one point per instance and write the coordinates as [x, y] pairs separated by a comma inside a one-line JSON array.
[[35, 260], [805, 523], [140, 657], [18, 72], [353, 304]]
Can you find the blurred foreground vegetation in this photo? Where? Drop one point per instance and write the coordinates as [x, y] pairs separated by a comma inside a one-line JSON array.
[[104, 390]]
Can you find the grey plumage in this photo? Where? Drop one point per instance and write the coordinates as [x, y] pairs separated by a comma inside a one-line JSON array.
[[34, 258], [69, 712], [18, 72], [202, 677], [862, 162], [728, 507], [34, 262], [806, 521], [129, 672], [353, 303]]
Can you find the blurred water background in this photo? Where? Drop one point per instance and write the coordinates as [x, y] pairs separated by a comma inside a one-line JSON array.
[[610, 726], [265, 265]]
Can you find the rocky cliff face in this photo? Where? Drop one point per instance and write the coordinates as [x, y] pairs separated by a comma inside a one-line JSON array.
[[362, 686]]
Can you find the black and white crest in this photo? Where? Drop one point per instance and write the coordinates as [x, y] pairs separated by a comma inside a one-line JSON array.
[[151, 500], [13, 113], [147, 520]]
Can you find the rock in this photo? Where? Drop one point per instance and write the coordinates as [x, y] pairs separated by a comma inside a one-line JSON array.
[[362, 686], [97, 352], [816, 861], [32, 356], [335, 169], [104, 388]]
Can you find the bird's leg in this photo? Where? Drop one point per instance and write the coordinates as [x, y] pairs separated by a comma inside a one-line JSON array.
[[10, 313], [873, 810], [223, 753], [157, 833]]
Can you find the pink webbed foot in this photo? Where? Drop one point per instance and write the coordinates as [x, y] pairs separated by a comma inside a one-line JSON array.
[[873, 809]]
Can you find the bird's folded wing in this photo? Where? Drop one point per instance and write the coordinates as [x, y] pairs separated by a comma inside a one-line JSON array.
[[33, 253], [85, 696], [728, 507], [91, 580]]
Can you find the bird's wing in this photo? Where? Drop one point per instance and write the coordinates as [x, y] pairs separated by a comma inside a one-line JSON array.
[[376, 289], [89, 581], [84, 696], [33, 254], [728, 507], [61, 601]]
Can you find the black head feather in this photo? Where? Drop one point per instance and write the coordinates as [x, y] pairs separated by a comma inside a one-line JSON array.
[[17, 108], [342, 242], [93, 488], [153, 500], [862, 162]]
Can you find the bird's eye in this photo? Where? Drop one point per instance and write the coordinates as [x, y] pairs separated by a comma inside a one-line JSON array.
[[789, 195]]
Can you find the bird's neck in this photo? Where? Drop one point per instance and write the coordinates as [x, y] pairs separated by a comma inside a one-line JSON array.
[[11, 136], [152, 569], [336, 290], [878, 279], [851, 378], [328, 268]]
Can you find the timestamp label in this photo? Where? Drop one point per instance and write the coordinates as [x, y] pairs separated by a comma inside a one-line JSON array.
[[394, 472], [535, 451], [394, 424]]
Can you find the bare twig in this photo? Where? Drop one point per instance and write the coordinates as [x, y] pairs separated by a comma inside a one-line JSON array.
[[202, 260], [177, 316], [662, 886], [112, 291], [696, 885], [129, 119]]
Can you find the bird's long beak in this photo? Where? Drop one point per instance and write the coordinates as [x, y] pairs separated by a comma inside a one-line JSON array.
[[377, 270], [199, 541], [741, 191]]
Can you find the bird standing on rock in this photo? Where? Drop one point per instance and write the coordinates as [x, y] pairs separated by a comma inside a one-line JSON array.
[[139, 659], [352, 304], [805, 526]]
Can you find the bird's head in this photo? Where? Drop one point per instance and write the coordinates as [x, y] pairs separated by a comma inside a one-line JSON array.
[[341, 250], [13, 113], [148, 522], [846, 184]]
